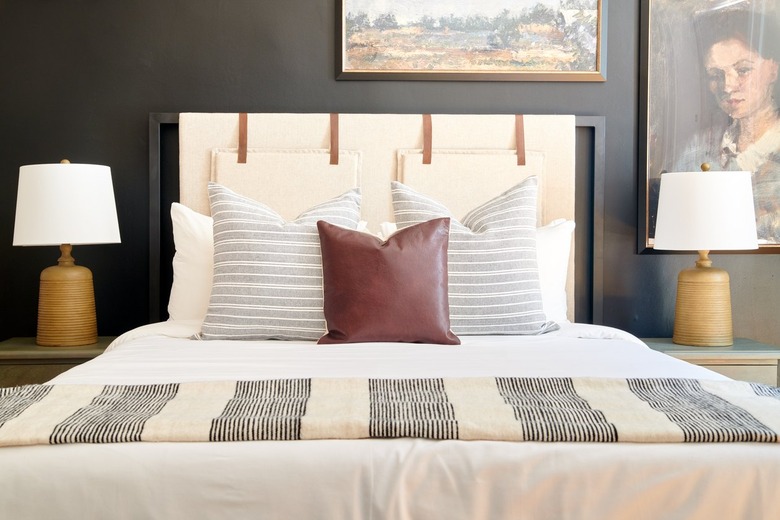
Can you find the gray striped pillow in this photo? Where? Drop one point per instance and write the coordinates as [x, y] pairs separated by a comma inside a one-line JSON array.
[[493, 273], [268, 272]]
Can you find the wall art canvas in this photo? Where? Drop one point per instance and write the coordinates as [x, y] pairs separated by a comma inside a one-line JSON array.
[[710, 95], [515, 40]]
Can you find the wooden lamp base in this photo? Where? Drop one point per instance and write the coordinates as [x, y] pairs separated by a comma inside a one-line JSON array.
[[702, 316], [66, 304]]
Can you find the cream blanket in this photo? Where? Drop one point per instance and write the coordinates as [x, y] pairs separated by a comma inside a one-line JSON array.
[[507, 409]]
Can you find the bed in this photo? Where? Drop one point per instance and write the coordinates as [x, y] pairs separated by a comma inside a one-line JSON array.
[[528, 414]]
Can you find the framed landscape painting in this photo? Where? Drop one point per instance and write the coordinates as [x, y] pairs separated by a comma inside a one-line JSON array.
[[473, 40], [709, 95]]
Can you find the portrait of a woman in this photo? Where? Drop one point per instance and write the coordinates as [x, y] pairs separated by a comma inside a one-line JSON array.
[[740, 65]]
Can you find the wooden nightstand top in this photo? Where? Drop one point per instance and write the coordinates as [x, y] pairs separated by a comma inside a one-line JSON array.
[[17, 350], [742, 348]]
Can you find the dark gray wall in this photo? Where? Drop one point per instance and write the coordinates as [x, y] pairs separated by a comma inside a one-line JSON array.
[[81, 77]]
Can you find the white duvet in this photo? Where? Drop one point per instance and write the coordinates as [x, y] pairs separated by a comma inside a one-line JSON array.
[[378, 479], [163, 352]]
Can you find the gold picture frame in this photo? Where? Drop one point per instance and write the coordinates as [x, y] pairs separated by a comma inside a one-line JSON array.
[[473, 40]]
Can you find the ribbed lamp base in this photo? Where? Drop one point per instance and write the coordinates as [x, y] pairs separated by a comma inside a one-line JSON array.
[[702, 316], [66, 307]]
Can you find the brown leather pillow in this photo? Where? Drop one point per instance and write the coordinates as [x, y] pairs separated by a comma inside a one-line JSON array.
[[386, 291]]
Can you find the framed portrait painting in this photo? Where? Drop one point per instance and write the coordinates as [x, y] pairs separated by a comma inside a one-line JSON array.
[[710, 91], [472, 40]]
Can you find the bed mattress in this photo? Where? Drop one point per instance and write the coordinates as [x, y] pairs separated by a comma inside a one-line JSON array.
[[386, 478]]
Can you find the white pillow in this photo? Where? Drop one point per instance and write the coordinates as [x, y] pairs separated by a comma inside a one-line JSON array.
[[193, 264], [553, 247]]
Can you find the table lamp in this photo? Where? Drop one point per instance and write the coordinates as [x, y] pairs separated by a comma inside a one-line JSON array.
[[65, 204], [705, 211]]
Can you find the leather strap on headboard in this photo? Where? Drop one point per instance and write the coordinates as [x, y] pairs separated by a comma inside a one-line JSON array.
[[334, 138], [242, 137], [427, 138], [520, 139]]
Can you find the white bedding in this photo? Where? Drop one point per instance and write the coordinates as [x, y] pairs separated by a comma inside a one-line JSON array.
[[162, 352], [373, 479]]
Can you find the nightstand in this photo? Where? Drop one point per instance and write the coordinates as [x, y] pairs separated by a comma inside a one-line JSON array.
[[23, 362], [746, 360]]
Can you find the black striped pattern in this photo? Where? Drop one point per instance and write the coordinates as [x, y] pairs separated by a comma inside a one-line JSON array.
[[118, 414], [16, 400], [263, 410], [766, 391], [550, 410], [533, 409], [411, 408], [703, 417]]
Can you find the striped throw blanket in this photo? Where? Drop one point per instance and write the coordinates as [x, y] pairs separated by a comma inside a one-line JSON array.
[[509, 409]]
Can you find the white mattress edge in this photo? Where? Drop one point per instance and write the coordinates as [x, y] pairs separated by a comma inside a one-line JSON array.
[[189, 328]]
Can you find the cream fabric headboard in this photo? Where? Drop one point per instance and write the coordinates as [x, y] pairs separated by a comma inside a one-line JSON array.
[[288, 161]]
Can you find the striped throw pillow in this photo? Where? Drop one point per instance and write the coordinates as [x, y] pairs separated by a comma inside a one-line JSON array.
[[268, 272], [493, 272]]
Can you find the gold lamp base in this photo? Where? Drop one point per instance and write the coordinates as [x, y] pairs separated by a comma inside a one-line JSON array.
[[66, 304], [702, 316]]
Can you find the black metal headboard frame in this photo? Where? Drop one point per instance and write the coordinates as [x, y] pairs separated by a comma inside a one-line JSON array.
[[589, 213]]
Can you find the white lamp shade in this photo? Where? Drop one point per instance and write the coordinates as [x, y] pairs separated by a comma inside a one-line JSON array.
[[65, 204], [706, 211]]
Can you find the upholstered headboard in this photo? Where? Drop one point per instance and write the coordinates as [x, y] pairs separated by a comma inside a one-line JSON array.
[[292, 161]]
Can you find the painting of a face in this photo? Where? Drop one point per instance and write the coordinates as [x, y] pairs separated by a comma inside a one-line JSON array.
[[711, 95], [739, 78]]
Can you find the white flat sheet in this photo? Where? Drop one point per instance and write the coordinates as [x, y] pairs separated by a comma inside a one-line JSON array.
[[378, 479], [162, 353]]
